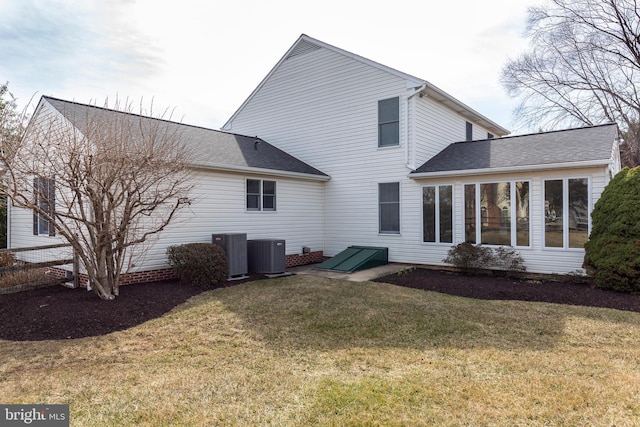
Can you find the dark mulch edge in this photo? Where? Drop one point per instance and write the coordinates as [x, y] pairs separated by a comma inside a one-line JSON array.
[[58, 312], [505, 288]]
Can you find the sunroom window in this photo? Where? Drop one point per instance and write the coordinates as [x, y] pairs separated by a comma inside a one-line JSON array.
[[437, 214], [566, 213], [497, 213]]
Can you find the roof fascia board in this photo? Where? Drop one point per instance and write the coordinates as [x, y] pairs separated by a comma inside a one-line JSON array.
[[261, 171], [510, 169]]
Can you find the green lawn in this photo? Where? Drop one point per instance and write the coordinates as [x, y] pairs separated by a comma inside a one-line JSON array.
[[305, 351]]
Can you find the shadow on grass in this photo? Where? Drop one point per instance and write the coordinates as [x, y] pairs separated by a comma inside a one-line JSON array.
[[314, 313]]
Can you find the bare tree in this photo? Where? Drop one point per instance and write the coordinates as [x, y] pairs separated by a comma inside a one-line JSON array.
[[104, 180], [583, 68], [12, 124]]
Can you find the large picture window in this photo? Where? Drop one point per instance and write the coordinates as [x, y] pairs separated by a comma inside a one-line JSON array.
[[566, 213], [497, 213], [437, 214], [389, 122], [389, 207], [261, 195]]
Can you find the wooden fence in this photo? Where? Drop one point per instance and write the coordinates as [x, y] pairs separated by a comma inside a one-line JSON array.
[[44, 259]]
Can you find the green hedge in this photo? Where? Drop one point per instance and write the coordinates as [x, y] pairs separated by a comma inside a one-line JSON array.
[[200, 264], [612, 254]]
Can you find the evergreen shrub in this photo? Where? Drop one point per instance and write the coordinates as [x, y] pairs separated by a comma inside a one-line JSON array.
[[200, 264], [612, 254]]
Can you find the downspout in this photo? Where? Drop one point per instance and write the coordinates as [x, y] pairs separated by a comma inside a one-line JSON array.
[[408, 127]]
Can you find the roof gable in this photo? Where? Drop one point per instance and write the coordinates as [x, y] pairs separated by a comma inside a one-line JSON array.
[[212, 149], [565, 148], [306, 44]]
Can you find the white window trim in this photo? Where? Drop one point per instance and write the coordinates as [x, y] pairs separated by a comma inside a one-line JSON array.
[[378, 136], [565, 213], [512, 216], [437, 208], [260, 195], [390, 233]]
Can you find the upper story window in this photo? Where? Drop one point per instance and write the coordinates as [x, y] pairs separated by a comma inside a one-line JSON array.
[[389, 122], [469, 132], [261, 195], [44, 191]]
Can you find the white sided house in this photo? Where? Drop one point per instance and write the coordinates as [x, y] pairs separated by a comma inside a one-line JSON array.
[[242, 185], [387, 138], [345, 151]]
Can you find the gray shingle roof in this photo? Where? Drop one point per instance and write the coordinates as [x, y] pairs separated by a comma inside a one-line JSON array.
[[561, 148], [212, 148]]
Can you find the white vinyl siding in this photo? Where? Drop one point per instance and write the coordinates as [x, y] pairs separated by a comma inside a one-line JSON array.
[[219, 207], [322, 107]]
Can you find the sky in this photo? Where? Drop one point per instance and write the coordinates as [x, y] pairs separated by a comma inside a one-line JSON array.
[[196, 61]]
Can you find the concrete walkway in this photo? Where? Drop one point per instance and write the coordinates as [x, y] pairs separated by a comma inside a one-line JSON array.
[[357, 276]]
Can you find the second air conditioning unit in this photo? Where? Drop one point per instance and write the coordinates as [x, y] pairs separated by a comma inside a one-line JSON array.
[[266, 256]]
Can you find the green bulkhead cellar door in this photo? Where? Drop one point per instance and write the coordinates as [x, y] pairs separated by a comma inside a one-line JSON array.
[[356, 258]]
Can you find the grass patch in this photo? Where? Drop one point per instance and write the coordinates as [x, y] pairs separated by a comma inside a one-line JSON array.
[[304, 350]]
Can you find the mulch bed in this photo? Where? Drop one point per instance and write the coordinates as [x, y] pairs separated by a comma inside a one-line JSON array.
[[57, 313], [505, 288]]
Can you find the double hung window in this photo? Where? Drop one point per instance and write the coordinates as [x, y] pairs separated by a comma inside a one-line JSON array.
[[261, 195], [389, 208], [389, 122]]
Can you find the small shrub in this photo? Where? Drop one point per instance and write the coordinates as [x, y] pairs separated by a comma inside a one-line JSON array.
[[200, 264], [612, 254], [508, 259], [407, 270], [7, 259], [469, 258], [475, 259]]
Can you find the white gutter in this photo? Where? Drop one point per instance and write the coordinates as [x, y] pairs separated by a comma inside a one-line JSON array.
[[510, 169], [408, 127], [261, 171]]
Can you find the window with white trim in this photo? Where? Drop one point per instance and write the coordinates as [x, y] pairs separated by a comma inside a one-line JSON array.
[[261, 195], [437, 214], [497, 213], [566, 213], [389, 208], [389, 122], [44, 191]]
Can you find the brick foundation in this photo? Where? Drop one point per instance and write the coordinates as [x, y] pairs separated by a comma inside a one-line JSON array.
[[168, 274], [302, 259]]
